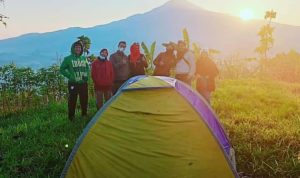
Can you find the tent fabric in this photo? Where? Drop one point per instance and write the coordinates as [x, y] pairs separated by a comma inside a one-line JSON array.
[[150, 133], [149, 82], [207, 114]]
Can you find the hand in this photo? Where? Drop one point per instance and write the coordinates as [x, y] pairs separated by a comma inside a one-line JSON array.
[[190, 76]]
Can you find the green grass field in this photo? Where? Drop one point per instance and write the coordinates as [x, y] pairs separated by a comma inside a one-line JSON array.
[[262, 119]]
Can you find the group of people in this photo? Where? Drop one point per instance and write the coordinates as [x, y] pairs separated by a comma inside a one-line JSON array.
[[110, 73]]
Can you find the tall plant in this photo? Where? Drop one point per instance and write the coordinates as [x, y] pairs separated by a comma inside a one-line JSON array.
[[149, 54], [86, 41], [266, 35], [186, 37]]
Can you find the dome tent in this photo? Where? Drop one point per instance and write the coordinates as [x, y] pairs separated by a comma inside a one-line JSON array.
[[153, 127]]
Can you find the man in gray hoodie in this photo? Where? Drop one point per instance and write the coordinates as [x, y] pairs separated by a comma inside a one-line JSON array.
[[120, 64]]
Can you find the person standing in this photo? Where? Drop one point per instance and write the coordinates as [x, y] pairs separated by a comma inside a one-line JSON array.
[[165, 61], [206, 72], [137, 61], [186, 65], [76, 69], [120, 64], [103, 77]]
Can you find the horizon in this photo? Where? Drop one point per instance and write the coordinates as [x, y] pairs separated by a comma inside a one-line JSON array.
[[246, 11]]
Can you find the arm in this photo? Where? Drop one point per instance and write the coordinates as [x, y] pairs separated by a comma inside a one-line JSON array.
[[87, 69], [64, 69], [115, 62], [156, 60], [93, 72], [112, 73], [191, 59]]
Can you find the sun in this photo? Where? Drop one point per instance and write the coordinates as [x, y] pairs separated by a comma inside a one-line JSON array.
[[247, 14]]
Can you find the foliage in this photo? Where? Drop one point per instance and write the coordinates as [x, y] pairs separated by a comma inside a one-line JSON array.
[[149, 54], [22, 87], [235, 67], [186, 37], [266, 35], [91, 58], [196, 47], [197, 50], [86, 41], [284, 67], [3, 17], [262, 119]]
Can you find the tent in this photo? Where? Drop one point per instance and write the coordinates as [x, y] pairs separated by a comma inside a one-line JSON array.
[[153, 127]]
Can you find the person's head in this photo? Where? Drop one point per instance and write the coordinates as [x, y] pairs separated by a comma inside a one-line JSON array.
[[181, 46], [122, 46], [104, 53], [77, 48], [135, 48], [170, 47], [204, 54]]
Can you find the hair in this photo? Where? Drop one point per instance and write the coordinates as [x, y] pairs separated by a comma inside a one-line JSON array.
[[102, 50], [181, 42], [122, 42]]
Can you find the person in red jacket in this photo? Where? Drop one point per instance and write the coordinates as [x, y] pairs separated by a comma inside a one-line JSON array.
[[165, 61], [103, 78], [137, 61]]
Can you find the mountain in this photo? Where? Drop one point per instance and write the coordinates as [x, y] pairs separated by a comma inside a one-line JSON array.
[[226, 33]]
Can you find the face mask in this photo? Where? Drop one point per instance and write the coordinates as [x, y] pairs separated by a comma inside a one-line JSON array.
[[122, 49], [102, 57]]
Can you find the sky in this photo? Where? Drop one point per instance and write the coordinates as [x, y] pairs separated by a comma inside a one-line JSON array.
[[27, 16]]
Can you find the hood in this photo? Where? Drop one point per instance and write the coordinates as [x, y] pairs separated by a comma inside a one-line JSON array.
[[73, 45]]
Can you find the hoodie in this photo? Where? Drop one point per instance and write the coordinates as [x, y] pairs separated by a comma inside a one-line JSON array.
[[75, 67]]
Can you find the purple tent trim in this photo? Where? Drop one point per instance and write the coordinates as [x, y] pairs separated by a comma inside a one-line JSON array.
[[207, 114]]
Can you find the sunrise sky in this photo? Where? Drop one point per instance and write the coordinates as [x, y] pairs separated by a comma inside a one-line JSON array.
[[42, 16]]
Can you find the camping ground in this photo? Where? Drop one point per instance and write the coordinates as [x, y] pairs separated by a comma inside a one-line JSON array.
[[261, 117]]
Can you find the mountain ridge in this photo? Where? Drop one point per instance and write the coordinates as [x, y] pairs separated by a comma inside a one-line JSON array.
[[224, 32]]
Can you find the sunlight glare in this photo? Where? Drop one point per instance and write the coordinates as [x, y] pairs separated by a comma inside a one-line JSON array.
[[246, 14]]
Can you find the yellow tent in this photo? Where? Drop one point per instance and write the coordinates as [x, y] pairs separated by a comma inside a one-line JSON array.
[[153, 127]]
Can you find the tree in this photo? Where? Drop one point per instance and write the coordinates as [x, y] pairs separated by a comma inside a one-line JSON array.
[[266, 35], [86, 41], [3, 17]]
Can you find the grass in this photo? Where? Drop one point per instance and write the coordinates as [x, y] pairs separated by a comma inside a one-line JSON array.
[[263, 122], [262, 119], [33, 143]]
